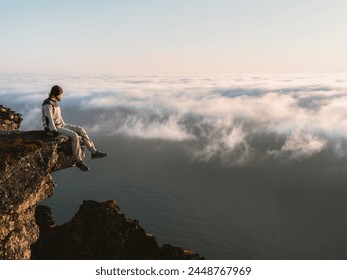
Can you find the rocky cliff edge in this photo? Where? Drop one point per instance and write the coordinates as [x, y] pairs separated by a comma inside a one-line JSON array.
[[97, 231]]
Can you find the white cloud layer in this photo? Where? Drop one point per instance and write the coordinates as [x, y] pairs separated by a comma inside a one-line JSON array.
[[233, 118]]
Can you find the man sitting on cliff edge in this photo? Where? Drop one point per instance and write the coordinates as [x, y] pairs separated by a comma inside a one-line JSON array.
[[54, 125]]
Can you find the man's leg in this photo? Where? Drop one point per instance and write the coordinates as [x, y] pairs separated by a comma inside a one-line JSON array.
[[81, 131], [88, 142], [75, 143], [76, 147]]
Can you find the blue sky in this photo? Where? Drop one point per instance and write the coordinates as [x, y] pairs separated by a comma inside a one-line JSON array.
[[172, 37]]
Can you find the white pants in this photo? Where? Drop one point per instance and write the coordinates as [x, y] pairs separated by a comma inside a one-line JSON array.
[[73, 132]]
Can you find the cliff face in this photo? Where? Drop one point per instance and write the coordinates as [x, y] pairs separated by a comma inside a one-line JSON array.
[[98, 230], [27, 160]]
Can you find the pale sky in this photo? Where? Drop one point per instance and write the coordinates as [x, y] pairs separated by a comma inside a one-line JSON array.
[[188, 37]]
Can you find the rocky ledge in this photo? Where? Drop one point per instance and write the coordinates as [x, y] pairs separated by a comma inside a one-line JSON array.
[[27, 231]]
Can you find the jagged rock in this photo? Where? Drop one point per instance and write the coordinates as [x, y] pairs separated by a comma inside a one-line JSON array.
[[26, 162], [169, 252], [9, 120], [97, 231]]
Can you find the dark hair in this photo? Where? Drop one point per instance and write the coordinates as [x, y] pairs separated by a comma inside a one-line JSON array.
[[56, 90]]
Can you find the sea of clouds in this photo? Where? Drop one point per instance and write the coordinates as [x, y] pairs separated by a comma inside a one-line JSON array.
[[235, 119]]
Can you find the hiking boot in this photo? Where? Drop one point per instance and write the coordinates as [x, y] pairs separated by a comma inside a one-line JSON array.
[[98, 155], [82, 166]]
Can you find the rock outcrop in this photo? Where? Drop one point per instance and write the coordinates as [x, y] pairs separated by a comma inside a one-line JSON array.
[[9, 120], [26, 162], [97, 231]]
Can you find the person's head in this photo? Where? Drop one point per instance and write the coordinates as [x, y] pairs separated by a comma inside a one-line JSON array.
[[56, 92]]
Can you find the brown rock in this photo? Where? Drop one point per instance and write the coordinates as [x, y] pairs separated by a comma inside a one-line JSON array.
[[99, 231], [9, 120], [26, 162]]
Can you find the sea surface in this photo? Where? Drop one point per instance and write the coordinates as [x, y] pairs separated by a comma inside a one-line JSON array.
[[293, 211], [231, 167]]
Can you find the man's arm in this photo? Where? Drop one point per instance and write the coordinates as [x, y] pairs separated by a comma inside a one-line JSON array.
[[47, 109]]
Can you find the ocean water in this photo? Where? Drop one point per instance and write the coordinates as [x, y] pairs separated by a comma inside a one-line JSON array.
[[232, 167], [294, 211]]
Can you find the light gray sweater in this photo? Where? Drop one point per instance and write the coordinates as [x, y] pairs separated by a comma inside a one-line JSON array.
[[51, 114]]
